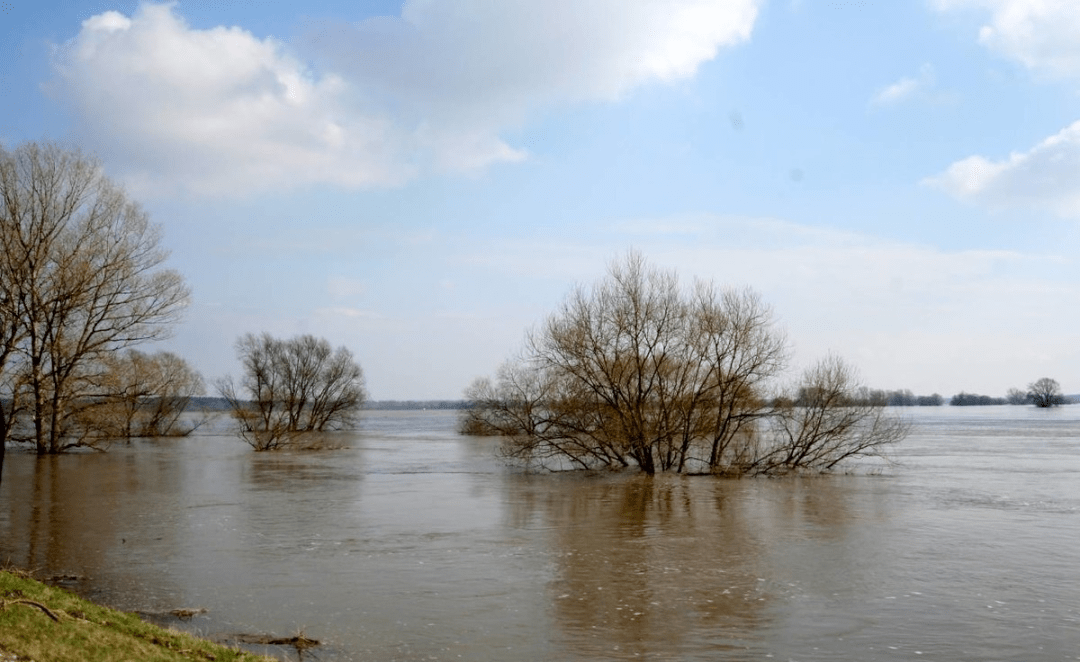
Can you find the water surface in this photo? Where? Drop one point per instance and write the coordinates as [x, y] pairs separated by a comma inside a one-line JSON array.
[[416, 544]]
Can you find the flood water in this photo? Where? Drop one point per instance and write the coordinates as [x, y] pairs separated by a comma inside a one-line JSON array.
[[417, 544]]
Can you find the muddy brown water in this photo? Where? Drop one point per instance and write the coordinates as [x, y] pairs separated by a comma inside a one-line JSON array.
[[417, 544]]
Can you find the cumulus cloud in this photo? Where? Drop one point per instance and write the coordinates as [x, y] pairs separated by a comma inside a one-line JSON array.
[[213, 111], [1039, 33], [1047, 176], [374, 103]]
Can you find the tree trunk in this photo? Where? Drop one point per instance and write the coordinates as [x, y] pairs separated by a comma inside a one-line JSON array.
[[3, 441]]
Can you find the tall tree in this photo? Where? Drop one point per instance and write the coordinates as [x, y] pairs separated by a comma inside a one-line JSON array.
[[82, 271]]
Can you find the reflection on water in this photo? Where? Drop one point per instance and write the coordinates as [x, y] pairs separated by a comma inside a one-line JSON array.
[[414, 543], [650, 566]]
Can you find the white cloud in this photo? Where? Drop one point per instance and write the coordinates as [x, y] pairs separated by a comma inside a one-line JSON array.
[[1042, 34], [220, 111], [1047, 177], [905, 88], [898, 91], [213, 111]]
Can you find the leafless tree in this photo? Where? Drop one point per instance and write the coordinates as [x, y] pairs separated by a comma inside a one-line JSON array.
[[1046, 392], [635, 371], [743, 351], [12, 333], [1015, 396], [827, 421], [141, 395], [82, 273], [291, 389]]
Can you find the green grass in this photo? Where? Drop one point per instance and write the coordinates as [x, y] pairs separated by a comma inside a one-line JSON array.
[[46, 624]]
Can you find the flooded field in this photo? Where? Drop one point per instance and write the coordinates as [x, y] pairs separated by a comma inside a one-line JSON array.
[[416, 544]]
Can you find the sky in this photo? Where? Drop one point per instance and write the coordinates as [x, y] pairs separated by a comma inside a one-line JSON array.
[[424, 181]]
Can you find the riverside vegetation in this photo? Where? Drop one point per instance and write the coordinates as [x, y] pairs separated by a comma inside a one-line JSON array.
[[40, 622]]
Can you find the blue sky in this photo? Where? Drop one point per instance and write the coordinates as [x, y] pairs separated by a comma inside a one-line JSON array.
[[423, 181]]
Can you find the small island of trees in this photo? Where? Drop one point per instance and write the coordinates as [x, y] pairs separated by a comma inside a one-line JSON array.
[[638, 372], [292, 390]]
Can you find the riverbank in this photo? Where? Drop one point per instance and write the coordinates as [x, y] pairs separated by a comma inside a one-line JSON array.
[[40, 622]]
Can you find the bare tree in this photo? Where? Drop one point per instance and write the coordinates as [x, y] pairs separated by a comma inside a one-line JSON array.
[[826, 421], [635, 371], [1017, 397], [616, 354], [743, 351], [141, 395], [82, 271], [12, 333], [1046, 392], [291, 389]]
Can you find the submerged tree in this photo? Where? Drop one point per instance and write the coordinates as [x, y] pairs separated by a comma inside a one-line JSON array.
[[1046, 392], [81, 277], [291, 389], [635, 371], [825, 424], [1015, 396], [141, 395]]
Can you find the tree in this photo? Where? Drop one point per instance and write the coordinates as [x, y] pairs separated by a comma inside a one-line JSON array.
[[291, 389], [80, 277], [963, 399], [823, 425], [1046, 392], [1017, 397], [12, 333], [141, 395], [635, 371]]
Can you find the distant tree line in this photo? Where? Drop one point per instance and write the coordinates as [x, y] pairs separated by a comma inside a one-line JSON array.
[[963, 399], [1044, 392], [901, 398], [394, 405]]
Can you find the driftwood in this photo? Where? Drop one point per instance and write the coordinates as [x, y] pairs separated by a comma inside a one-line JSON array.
[[183, 613], [299, 641], [30, 603], [186, 614]]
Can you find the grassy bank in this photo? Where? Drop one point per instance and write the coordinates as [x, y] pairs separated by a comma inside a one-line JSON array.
[[45, 624]]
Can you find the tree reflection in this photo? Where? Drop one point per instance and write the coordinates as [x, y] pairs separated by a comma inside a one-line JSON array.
[[645, 565], [92, 516]]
